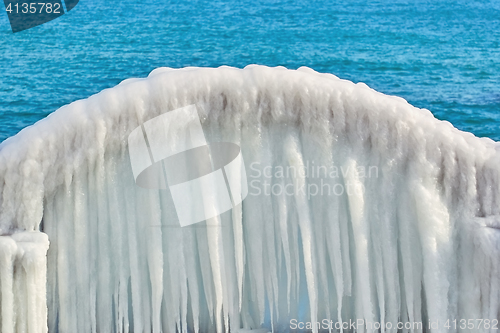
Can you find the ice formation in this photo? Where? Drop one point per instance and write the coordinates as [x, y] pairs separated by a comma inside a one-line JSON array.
[[416, 240]]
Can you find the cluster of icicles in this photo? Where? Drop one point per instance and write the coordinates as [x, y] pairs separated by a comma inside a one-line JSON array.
[[411, 236]]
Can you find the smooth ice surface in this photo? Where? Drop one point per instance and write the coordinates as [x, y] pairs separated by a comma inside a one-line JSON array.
[[416, 239]]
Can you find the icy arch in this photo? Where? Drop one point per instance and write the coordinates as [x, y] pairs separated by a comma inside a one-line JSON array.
[[417, 239]]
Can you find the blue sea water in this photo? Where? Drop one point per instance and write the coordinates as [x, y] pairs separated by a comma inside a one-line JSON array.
[[440, 55]]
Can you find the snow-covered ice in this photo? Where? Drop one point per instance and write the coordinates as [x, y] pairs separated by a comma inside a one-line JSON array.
[[416, 240]]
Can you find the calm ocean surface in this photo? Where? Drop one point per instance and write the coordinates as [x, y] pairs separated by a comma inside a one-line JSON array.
[[439, 55]]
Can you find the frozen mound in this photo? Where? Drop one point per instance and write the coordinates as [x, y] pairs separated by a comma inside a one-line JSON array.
[[396, 219]]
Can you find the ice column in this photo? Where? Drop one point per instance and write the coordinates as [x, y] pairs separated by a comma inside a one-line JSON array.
[[23, 273]]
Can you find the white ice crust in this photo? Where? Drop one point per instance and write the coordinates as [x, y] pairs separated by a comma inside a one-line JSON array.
[[419, 241]]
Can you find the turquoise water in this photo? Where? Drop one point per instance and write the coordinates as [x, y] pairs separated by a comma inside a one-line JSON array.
[[439, 55]]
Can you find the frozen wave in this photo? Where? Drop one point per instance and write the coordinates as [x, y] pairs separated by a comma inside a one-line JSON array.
[[417, 242]]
